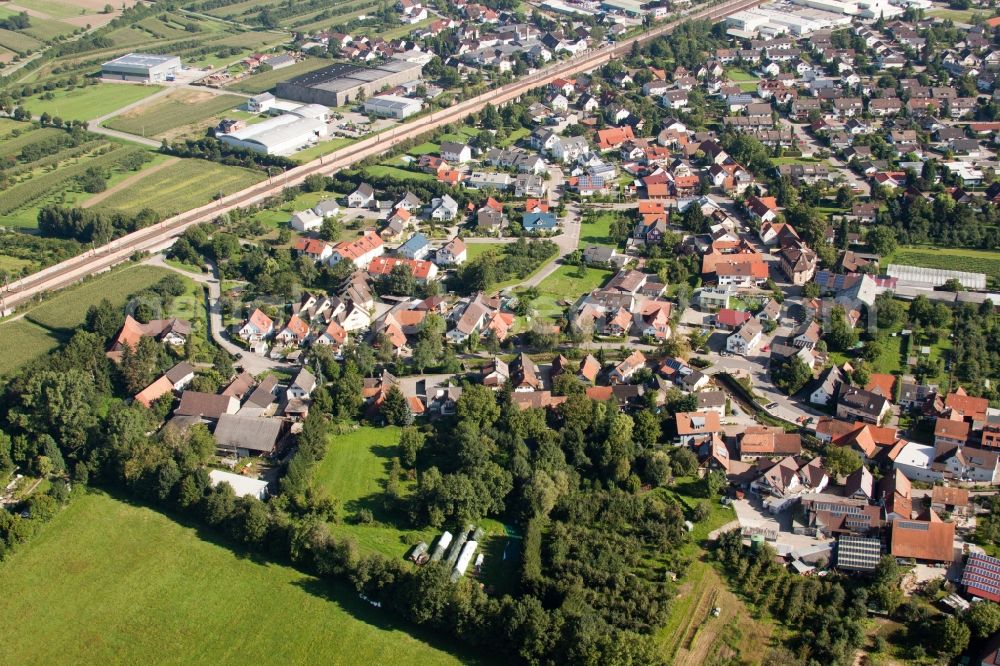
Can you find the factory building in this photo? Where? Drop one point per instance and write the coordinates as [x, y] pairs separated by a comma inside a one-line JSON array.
[[343, 83], [284, 134], [393, 106], [778, 18], [141, 67]]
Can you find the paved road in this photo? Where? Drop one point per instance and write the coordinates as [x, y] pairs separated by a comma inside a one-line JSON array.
[[162, 235], [252, 363], [811, 146]]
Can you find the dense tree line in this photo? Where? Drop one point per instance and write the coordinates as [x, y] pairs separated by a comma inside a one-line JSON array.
[[515, 260], [942, 221], [209, 148], [87, 225]]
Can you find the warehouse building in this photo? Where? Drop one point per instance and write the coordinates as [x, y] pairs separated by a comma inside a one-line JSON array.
[[144, 67], [393, 106], [284, 134], [343, 83]]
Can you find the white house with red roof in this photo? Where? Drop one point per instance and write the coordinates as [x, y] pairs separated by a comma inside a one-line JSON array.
[[360, 252], [257, 327]]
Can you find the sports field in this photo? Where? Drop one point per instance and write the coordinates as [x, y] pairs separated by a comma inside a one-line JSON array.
[[110, 582], [182, 186], [189, 111], [89, 102]]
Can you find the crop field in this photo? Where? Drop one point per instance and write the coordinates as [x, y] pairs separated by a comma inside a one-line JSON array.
[[89, 102], [184, 109], [18, 42], [566, 284], [68, 308], [182, 186], [954, 259], [20, 201], [42, 29], [264, 81], [86, 588], [22, 342]]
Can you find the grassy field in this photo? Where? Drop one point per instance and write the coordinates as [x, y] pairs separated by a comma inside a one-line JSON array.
[[474, 250], [88, 588], [957, 15], [89, 102], [322, 148], [385, 170], [597, 232], [190, 111], [354, 472], [691, 636], [258, 83], [182, 186], [566, 284], [68, 309], [955, 259], [22, 342]]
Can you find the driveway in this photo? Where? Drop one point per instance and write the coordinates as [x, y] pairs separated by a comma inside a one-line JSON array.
[[252, 363]]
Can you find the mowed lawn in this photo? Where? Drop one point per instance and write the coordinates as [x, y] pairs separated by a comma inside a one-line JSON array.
[[568, 283], [354, 472], [179, 109], [109, 582], [89, 102], [23, 341], [597, 232], [182, 186]]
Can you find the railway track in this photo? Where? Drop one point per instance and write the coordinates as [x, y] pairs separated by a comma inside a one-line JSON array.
[[162, 235]]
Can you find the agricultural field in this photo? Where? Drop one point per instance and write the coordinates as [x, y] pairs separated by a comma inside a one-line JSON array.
[[68, 309], [42, 28], [18, 42], [264, 81], [103, 568], [180, 113], [566, 285], [89, 102], [53, 179], [182, 186], [955, 259], [22, 342]]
